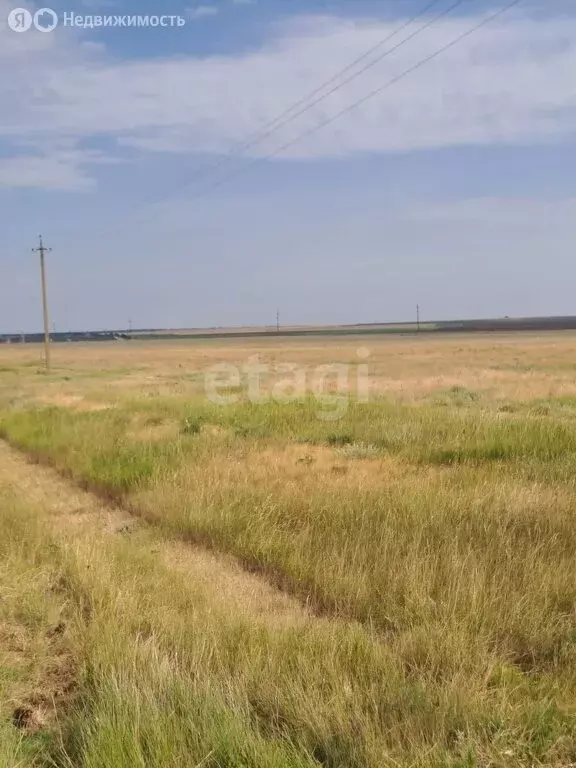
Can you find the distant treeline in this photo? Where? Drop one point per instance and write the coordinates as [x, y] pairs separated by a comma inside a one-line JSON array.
[[511, 324], [456, 326], [37, 338]]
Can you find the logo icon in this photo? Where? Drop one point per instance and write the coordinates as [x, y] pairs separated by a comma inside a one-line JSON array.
[[20, 20], [45, 20]]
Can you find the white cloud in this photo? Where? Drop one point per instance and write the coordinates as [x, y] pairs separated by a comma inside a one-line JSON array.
[[50, 164], [58, 170], [510, 83], [202, 12]]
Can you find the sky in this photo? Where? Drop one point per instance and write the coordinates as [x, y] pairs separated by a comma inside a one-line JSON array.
[[140, 154]]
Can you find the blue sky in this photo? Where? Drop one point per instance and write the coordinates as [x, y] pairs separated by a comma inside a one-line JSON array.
[[454, 189]]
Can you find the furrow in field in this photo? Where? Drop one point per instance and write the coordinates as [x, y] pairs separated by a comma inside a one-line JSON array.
[[71, 507]]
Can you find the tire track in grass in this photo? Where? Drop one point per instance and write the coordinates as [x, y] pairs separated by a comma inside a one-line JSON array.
[[76, 521], [71, 507]]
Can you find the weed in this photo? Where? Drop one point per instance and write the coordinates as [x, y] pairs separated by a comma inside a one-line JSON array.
[[337, 440], [359, 451], [191, 426]]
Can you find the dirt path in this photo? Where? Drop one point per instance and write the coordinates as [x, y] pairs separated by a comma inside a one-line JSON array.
[[70, 509]]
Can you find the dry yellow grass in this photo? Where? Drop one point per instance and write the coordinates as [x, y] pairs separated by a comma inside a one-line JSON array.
[[424, 544], [501, 366], [74, 512]]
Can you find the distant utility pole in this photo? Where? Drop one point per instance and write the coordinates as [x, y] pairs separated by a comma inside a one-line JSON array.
[[278, 321], [418, 317], [42, 251]]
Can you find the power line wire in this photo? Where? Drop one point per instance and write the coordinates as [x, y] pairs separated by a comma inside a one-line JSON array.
[[319, 126], [286, 117], [352, 64]]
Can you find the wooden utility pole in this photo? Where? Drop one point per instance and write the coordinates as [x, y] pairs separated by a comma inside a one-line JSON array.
[[418, 317], [42, 250]]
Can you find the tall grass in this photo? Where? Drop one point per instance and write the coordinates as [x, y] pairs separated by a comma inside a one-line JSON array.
[[438, 548], [169, 676], [392, 544]]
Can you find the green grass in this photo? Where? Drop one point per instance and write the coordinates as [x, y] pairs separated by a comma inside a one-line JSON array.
[[95, 444], [28, 610], [440, 554], [166, 677], [456, 543], [423, 433], [92, 445]]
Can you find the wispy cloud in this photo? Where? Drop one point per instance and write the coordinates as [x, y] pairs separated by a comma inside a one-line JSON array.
[[510, 83], [202, 12], [58, 170]]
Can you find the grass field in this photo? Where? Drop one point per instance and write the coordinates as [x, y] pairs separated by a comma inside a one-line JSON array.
[[320, 578]]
